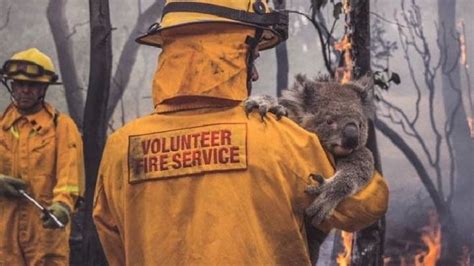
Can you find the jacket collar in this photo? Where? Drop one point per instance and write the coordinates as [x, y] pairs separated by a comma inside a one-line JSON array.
[[192, 103], [40, 121]]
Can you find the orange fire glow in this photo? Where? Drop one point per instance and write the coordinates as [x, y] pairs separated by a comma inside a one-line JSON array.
[[346, 6], [345, 45], [344, 258], [431, 237], [466, 257], [470, 122], [462, 44]]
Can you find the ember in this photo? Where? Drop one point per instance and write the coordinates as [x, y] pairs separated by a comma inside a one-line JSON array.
[[345, 46], [344, 258], [431, 236], [427, 252], [470, 122], [466, 257]]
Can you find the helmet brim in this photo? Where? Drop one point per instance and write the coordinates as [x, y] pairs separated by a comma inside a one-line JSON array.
[[270, 38]]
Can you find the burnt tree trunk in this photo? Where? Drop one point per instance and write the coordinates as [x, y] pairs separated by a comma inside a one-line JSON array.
[[463, 146], [95, 118], [283, 66], [369, 243], [56, 13], [128, 55]]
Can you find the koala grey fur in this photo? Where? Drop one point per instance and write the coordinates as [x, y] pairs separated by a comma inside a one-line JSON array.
[[338, 114]]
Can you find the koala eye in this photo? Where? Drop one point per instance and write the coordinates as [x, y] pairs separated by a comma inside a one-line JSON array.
[[329, 121]]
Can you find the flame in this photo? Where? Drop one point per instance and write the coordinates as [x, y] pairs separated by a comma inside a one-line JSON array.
[[431, 237], [462, 44], [465, 259], [345, 46], [470, 123], [346, 6], [344, 258]]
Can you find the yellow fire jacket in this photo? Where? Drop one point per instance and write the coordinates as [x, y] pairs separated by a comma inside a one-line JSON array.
[[44, 150], [215, 188], [199, 183]]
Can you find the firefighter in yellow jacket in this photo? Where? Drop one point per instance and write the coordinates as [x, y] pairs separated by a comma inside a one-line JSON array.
[[197, 182], [40, 153]]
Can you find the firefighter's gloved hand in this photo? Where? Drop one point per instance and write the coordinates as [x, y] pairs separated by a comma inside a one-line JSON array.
[[58, 209], [9, 186]]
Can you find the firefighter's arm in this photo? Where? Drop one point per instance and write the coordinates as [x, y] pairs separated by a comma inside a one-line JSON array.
[[104, 211], [69, 163], [107, 229], [355, 212], [361, 209]]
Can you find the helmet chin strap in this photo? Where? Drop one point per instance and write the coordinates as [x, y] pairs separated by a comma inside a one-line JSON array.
[[39, 100], [252, 42]]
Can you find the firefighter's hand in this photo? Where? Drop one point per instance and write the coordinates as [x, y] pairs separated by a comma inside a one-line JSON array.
[[59, 210], [9, 186]]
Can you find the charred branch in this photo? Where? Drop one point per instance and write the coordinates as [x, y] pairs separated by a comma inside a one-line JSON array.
[[58, 23], [283, 65], [447, 221], [7, 19], [74, 28], [128, 56], [322, 41]]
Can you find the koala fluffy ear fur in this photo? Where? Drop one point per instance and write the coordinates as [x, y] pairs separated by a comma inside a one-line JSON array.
[[364, 86], [300, 98]]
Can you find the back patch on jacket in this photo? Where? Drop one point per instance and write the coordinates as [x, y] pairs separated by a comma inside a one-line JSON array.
[[187, 151]]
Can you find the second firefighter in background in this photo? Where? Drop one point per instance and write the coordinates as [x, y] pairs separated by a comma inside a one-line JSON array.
[[41, 153]]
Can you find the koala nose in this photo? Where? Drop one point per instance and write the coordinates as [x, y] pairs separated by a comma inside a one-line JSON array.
[[350, 136]]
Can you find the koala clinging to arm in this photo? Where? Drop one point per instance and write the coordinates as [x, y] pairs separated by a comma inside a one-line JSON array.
[[338, 114]]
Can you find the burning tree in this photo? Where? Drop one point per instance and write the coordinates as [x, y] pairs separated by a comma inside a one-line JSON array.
[[438, 143], [348, 57]]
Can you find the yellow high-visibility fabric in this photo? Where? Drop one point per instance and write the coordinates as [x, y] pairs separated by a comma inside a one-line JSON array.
[[199, 183], [35, 56], [205, 65], [47, 155], [245, 216]]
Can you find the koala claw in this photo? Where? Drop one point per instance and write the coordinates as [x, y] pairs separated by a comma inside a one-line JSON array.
[[263, 110], [314, 190], [264, 104], [318, 178], [319, 210], [279, 111], [249, 105]]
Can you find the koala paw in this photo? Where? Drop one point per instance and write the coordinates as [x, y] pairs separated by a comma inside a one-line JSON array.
[[320, 210], [326, 201], [264, 104], [316, 189]]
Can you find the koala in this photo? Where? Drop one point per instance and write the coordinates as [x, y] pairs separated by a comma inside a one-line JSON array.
[[338, 114]]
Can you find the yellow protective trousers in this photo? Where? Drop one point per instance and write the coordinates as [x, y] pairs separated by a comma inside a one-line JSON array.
[[44, 150]]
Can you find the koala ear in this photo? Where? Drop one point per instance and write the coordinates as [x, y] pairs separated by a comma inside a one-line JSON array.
[[364, 86], [299, 99], [309, 91]]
